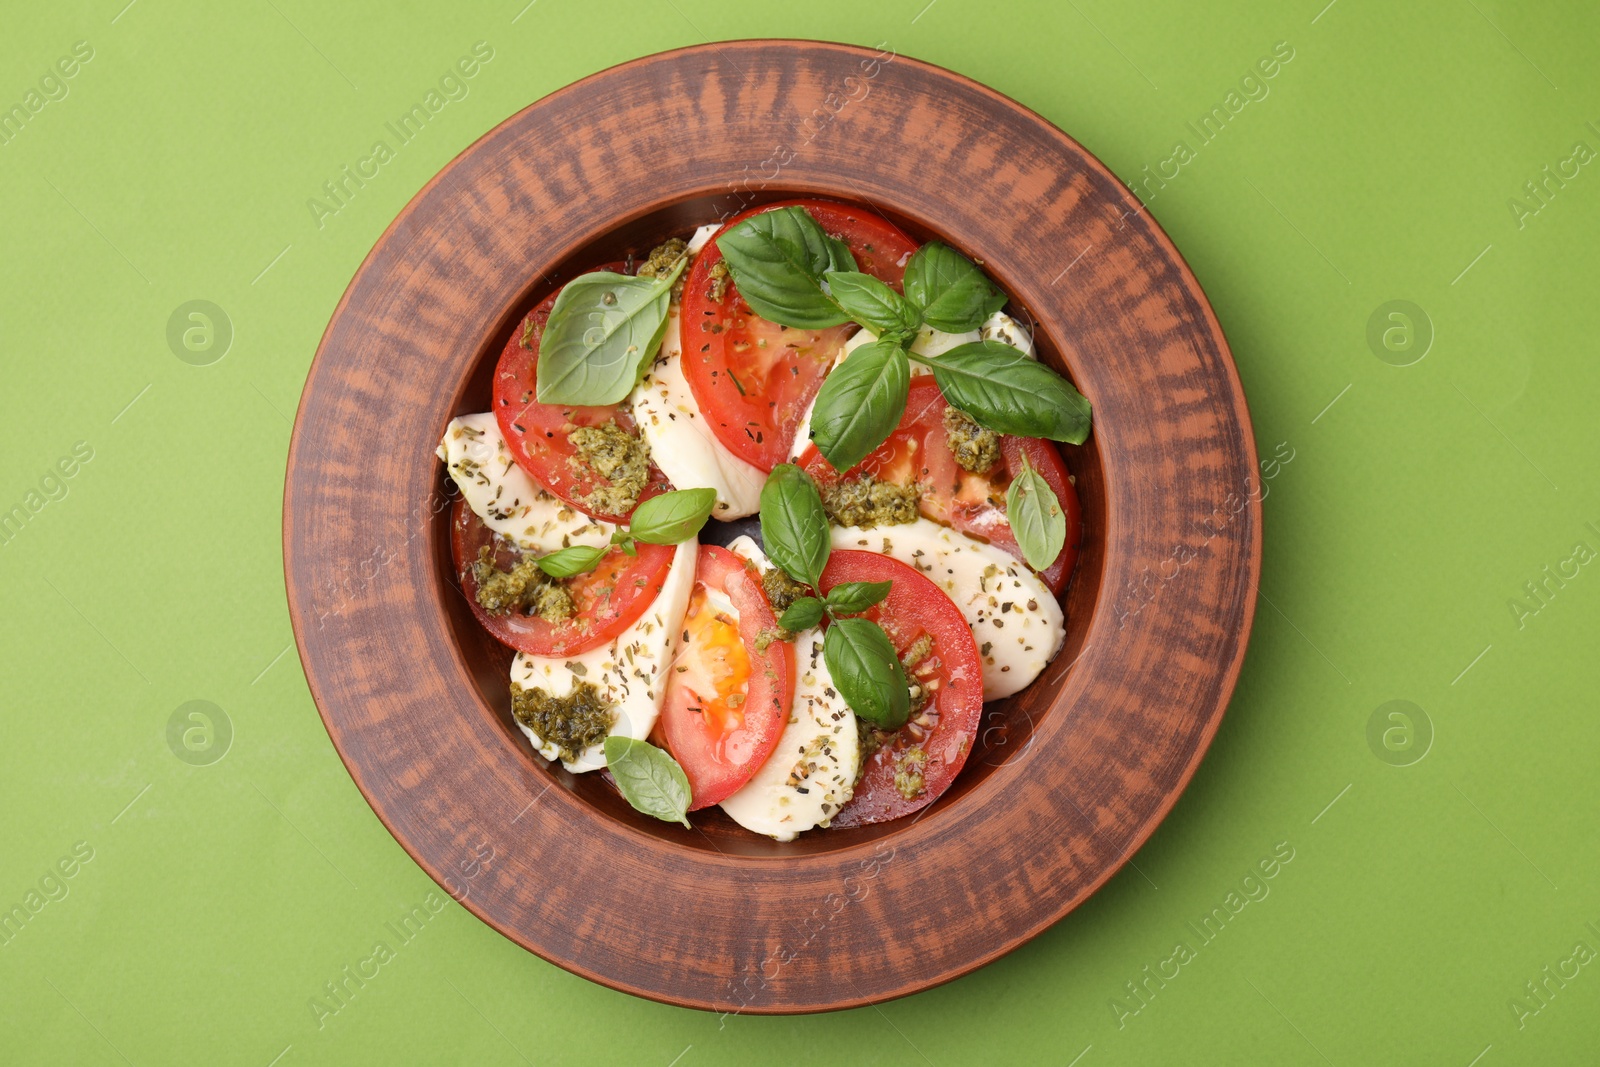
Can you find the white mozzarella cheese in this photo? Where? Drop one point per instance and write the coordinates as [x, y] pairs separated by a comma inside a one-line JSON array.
[[702, 236], [1008, 331], [629, 671], [930, 342], [1014, 617], [682, 443], [745, 547], [508, 501], [811, 773]]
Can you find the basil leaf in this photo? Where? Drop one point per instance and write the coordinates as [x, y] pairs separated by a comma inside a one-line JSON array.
[[602, 330], [672, 518], [803, 614], [1036, 517], [839, 257], [794, 528], [570, 561], [778, 259], [950, 290], [649, 779], [1006, 391], [867, 672], [860, 403], [851, 598], [873, 304]]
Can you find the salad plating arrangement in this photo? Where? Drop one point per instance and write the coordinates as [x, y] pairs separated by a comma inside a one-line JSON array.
[[870, 400]]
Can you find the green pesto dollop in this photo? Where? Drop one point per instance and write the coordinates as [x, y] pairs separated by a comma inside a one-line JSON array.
[[621, 458], [768, 634], [719, 281], [908, 772], [921, 696], [523, 588], [573, 723], [867, 502], [919, 650], [974, 447], [662, 257], [782, 590]]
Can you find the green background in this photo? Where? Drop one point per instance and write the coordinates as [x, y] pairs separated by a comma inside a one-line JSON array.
[[1420, 899]]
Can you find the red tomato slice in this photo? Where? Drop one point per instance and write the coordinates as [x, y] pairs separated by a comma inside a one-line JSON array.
[[754, 379], [726, 703], [975, 504], [538, 433], [608, 599], [935, 741]]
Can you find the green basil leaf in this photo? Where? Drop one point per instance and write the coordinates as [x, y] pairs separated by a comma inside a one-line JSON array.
[[649, 779], [950, 290], [803, 614], [860, 403], [1036, 517], [777, 259], [672, 518], [567, 562], [852, 598], [839, 257], [621, 536], [1006, 391], [603, 330], [873, 304], [867, 672], [794, 528]]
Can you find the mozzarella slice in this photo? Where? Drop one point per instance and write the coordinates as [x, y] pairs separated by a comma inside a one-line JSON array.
[[681, 442], [702, 236], [508, 501], [1008, 331], [811, 773], [812, 770], [1014, 617], [745, 547], [628, 671]]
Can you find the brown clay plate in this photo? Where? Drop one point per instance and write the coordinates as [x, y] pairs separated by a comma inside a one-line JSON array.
[[1069, 776]]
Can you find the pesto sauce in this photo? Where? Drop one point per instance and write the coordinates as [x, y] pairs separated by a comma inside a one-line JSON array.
[[908, 772], [867, 502], [768, 634], [718, 289], [573, 723], [782, 590], [523, 588], [662, 257], [621, 458], [975, 448], [921, 695], [919, 650]]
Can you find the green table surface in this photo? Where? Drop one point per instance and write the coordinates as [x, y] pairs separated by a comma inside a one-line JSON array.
[[1431, 540]]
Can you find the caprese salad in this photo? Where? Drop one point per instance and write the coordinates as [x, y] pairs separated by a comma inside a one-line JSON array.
[[870, 400]]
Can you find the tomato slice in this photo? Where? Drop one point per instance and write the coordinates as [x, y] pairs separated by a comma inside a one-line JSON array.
[[917, 451], [754, 379], [608, 599], [726, 702], [934, 742], [538, 434]]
